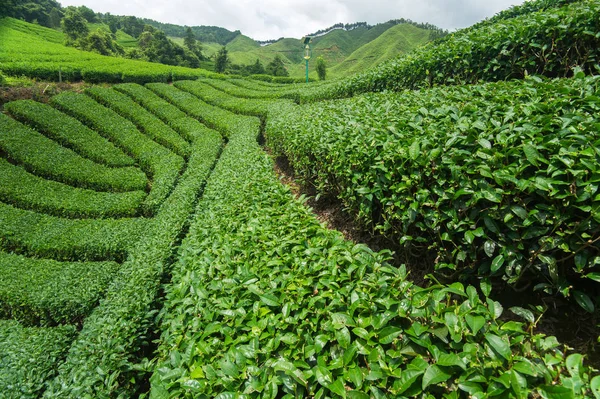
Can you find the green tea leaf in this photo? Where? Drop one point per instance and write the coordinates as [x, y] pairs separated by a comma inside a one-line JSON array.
[[388, 334], [499, 345], [532, 154], [497, 263], [524, 313], [475, 322], [595, 386], [556, 392], [584, 301], [434, 375]]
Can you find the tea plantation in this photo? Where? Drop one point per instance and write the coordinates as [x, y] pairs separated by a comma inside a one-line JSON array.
[[148, 248]]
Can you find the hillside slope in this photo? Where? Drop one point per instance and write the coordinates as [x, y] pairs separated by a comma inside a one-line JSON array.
[[395, 41]]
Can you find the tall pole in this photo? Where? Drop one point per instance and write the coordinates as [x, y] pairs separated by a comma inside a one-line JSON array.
[[307, 70]]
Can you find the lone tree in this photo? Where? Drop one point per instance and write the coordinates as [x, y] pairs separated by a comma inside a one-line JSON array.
[[74, 24], [191, 43], [276, 67], [221, 60], [257, 68], [321, 68]]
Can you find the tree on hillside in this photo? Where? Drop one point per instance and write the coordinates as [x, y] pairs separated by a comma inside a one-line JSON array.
[[276, 67], [101, 41], [257, 68], [221, 60], [88, 14], [74, 25], [54, 18], [321, 68], [191, 43]]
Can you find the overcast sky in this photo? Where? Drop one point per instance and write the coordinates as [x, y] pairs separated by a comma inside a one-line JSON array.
[[272, 19]]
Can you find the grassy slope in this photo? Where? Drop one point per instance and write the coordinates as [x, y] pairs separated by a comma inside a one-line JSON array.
[[393, 42]]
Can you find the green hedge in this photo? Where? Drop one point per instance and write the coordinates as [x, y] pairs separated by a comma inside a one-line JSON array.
[[102, 361], [28, 357], [44, 236], [267, 303], [550, 42], [187, 127], [166, 112], [211, 95], [214, 117], [157, 161], [145, 121], [39, 154], [68, 132], [47, 292], [499, 179], [27, 191]]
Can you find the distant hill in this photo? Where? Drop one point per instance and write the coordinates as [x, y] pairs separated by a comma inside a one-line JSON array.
[[346, 51], [397, 40]]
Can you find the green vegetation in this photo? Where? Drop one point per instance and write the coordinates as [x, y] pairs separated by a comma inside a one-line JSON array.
[[266, 302], [25, 52], [27, 191], [144, 120], [69, 132], [35, 234], [485, 185], [38, 155], [395, 41], [28, 357], [117, 328], [47, 292], [497, 180], [162, 165], [549, 43]]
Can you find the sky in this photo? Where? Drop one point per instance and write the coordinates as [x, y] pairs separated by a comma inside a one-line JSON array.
[[272, 19]]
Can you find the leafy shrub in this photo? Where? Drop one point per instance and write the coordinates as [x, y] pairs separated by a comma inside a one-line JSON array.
[[69, 132], [144, 120], [498, 179], [27, 191], [47, 292], [265, 302], [29, 356], [45, 236]]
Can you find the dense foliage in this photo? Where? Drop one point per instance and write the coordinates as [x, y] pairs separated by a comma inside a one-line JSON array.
[[499, 179], [265, 302]]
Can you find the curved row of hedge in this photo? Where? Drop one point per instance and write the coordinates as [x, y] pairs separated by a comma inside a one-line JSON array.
[[38, 155], [210, 115], [265, 302], [28, 356], [46, 292], [24, 190], [44, 236], [162, 165], [144, 120], [68, 132], [499, 179], [103, 361]]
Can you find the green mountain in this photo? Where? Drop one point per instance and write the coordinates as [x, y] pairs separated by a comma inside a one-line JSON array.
[[345, 51], [396, 40]]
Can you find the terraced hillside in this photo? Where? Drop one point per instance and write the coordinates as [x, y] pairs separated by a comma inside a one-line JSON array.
[[148, 248], [37, 52], [78, 192]]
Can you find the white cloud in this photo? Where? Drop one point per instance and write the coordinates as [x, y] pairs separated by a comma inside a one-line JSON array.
[[271, 19]]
